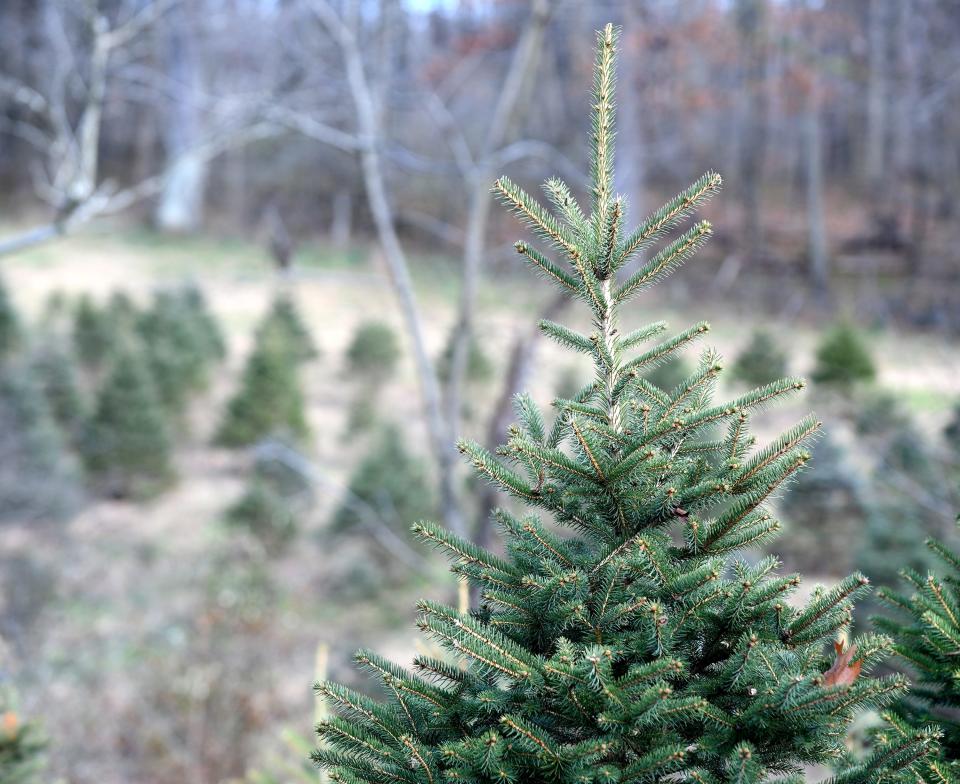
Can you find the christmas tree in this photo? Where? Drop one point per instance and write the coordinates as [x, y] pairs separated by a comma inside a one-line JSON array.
[[269, 401], [843, 358], [9, 323], [622, 639], [179, 346], [373, 352], [284, 317], [204, 322], [127, 444], [58, 376], [22, 746], [761, 361], [276, 495], [389, 484], [93, 333], [39, 477], [372, 358], [925, 624]]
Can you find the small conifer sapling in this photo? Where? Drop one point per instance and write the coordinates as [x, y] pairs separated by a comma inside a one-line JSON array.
[[620, 638]]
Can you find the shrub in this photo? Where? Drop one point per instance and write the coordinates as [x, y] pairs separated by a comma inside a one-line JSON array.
[[269, 401], [879, 413], [9, 323], [761, 362], [283, 317], [22, 746], [127, 445], [55, 369], [374, 351], [39, 477], [389, 485], [843, 358], [93, 335], [178, 348]]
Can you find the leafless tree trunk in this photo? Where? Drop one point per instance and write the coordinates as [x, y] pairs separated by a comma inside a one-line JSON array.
[[180, 206], [479, 175], [878, 23], [370, 142], [751, 18], [341, 219], [818, 258]]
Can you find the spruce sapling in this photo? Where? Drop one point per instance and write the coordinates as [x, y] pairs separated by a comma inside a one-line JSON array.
[[127, 444], [622, 639]]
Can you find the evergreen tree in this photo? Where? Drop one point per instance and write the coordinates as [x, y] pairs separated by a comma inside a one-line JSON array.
[[373, 352], [761, 362], [122, 313], [9, 323], [39, 478], [625, 642], [843, 358], [127, 445], [22, 746], [925, 625], [826, 509], [389, 483], [284, 317], [270, 506], [57, 375], [479, 367], [269, 401], [372, 358], [951, 432], [669, 374], [179, 347], [93, 335], [264, 513], [205, 323]]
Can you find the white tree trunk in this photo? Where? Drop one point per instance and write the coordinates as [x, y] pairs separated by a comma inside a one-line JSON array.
[[180, 206]]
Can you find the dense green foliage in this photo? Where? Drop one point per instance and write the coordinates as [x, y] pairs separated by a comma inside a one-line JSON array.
[[623, 639], [269, 400], [371, 361], [825, 508], [39, 478], [925, 624], [93, 333], [843, 358], [9, 322], [374, 351], [275, 497], [284, 318], [57, 373], [127, 443], [389, 486], [479, 366], [762, 361], [951, 433], [263, 512], [22, 747], [182, 342]]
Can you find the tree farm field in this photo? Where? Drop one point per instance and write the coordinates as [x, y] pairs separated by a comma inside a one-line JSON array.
[[153, 618]]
